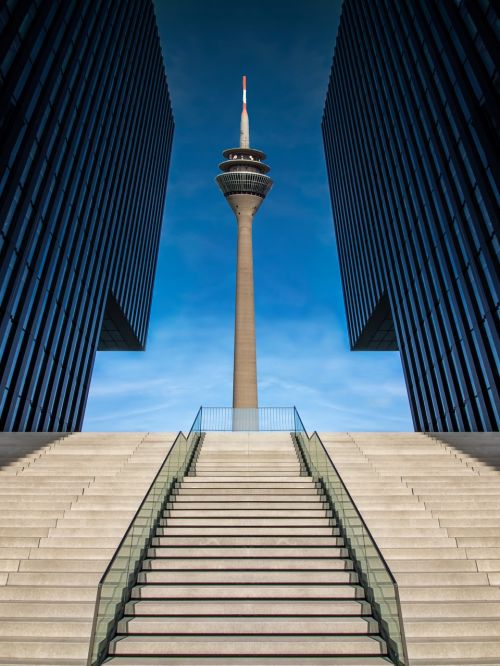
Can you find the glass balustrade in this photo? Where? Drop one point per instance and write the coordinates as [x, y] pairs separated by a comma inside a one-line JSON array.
[[374, 574], [120, 576]]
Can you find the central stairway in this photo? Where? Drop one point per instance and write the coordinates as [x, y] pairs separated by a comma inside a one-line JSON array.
[[247, 567]]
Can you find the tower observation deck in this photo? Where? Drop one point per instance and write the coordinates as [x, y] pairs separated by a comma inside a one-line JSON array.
[[245, 184]]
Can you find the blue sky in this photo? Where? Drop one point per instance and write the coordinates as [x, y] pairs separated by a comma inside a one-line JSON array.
[[285, 49]]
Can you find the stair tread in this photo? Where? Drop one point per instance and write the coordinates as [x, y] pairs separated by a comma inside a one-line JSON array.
[[247, 592], [199, 645], [251, 607], [326, 625]]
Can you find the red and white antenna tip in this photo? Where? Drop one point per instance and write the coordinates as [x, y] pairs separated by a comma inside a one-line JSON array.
[[244, 81]]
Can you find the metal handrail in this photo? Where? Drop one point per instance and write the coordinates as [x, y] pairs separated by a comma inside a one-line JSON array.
[[98, 652], [297, 417], [225, 419], [400, 659]]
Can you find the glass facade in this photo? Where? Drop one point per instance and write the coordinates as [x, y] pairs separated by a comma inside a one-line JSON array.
[[410, 130], [85, 138]]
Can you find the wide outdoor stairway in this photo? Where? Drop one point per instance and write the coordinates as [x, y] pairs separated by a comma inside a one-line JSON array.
[[65, 502], [246, 559], [433, 506], [247, 567]]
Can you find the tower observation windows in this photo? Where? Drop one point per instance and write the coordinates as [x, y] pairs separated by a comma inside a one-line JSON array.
[[244, 182]]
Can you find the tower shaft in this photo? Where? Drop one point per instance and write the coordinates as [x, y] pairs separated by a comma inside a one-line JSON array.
[[245, 361], [245, 184]]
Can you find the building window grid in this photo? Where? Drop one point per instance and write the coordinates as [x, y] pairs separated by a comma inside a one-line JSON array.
[[40, 411]]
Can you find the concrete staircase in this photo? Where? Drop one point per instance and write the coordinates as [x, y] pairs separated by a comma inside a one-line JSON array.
[[65, 502], [247, 567], [433, 506]]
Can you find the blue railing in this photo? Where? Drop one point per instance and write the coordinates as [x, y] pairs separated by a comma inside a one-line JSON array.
[[222, 419]]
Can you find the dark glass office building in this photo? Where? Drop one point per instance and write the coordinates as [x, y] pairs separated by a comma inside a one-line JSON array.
[[85, 137], [411, 139]]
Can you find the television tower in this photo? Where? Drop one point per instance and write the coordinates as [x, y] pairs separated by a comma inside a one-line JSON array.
[[244, 183]]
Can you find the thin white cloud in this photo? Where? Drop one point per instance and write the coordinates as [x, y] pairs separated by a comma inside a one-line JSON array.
[[302, 363]]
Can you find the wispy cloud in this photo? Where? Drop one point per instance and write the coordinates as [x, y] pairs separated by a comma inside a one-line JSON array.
[[306, 363]]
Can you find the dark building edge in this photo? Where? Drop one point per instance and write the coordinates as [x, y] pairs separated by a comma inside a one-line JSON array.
[[377, 85]]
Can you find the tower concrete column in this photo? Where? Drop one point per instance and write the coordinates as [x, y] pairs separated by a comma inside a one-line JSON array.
[[245, 359], [245, 184]]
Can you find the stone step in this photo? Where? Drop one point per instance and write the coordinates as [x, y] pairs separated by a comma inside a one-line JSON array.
[[163, 551], [258, 482], [248, 577], [245, 513], [59, 594], [410, 532], [68, 543], [418, 543], [8, 494], [449, 610], [285, 540], [441, 579], [27, 521], [291, 506], [291, 531], [425, 553], [242, 661], [450, 593], [248, 463], [100, 523], [6, 543], [473, 531], [72, 553], [45, 628], [305, 624], [249, 563], [40, 504], [63, 565], [250, 521], [236, 491], [240, 645], [93, 532], [213, 501], [25, 651], [488, 565], [163, 547], [431, 566], [53, 579], [471, 507], [297, 592], [246, 469], [468, 520], [478, 542], [454, 652], [61, 610], [248, 475]]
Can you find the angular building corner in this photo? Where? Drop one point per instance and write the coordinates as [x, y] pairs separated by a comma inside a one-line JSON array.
[[86, 134], [411, 142]]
